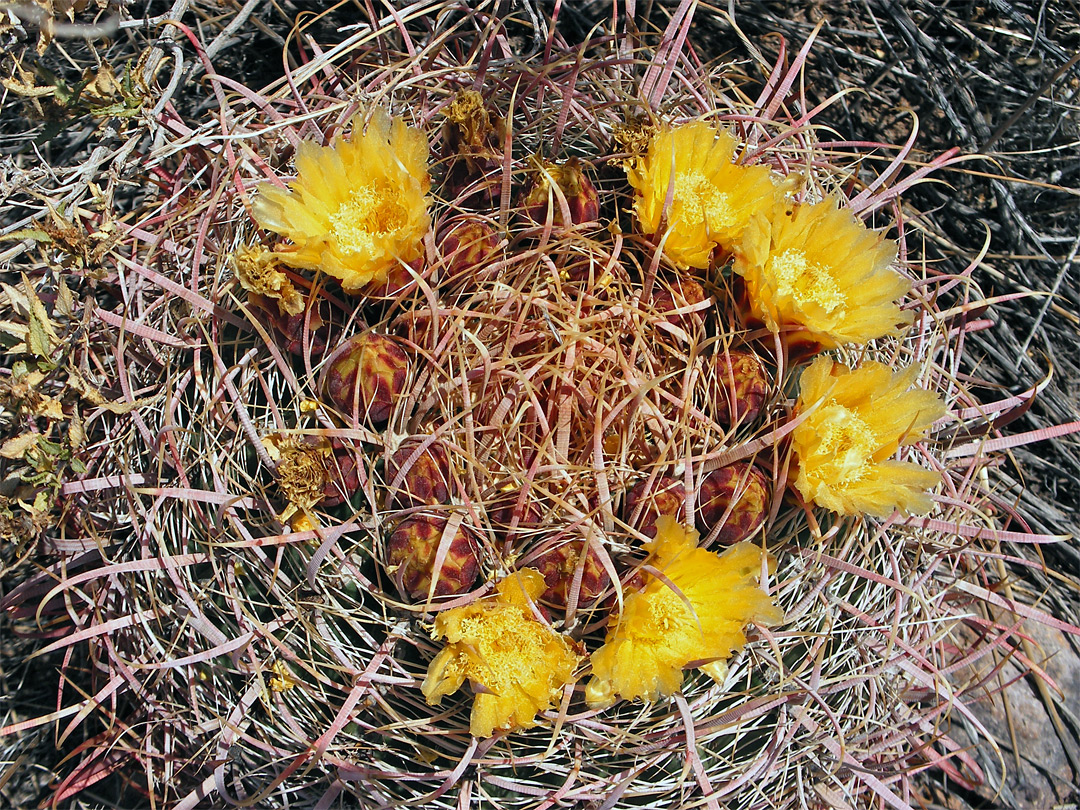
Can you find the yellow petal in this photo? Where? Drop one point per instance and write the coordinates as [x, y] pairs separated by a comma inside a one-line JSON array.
[[817, 270], [712, 198], [517, 664]]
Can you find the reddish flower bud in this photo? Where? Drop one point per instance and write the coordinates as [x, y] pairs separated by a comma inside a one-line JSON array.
[[400, 280], [366, 377], [665, 497], [411, 551], [418, 477], [582, 201], [683, 292], [343, 474], [290, 328], [559, 564], [509, 515], [741, 488], [740, 387], [467, 247]]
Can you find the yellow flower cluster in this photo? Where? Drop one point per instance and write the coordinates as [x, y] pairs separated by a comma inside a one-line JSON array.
[[816, 275], [356, 209], [517, 664], [691, 616], [810, 268], [857, 420]]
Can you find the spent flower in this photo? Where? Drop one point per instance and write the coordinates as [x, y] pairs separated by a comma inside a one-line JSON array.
[[260, 274]]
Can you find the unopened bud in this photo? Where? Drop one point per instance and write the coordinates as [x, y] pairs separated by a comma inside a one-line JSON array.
[[740, 387], [665, 497], [736, 498], [411, 553], [418, 477], [289, 329], [683, 293], [582, 201], [400, 280], [511, 514], [366, 377], [343, 474], [559, 566], [467, 247]]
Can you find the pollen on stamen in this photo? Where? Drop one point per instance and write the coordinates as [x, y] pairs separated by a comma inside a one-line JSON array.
[[807, 281]]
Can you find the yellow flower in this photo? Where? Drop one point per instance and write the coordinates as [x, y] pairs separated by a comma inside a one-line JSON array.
[[845, 446], [517, 664], [818, 270], [357, 208], [712, 199], [693, 617]]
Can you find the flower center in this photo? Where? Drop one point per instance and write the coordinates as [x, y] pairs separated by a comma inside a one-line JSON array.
[[806, 281], [669, 614], [370, 211], [699, 201], [850, 441], [510, 646]]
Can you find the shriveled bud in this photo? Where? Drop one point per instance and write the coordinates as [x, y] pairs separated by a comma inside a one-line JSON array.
[[740, 387], [665, 497], [467, 247], [366, 377], [343, 475], [411, 552], [559, 564], [260, 273], [418, 477], [741, 488], [472, 142], [582, 201], [301, 468]]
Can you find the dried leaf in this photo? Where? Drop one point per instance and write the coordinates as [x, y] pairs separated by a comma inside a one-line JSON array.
[[41, 338], [65, 301], [17, 446], [50, 408], [27, 90], [76, 431], [18, 330], [101, 85], [81, 386], [15, 298]]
